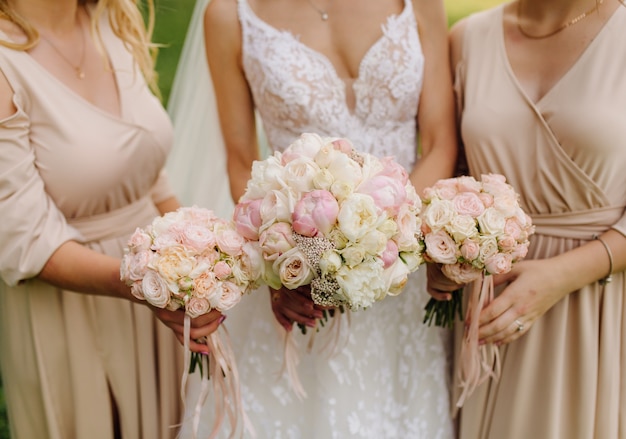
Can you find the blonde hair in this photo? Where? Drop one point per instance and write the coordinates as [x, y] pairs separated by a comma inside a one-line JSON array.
[[127, 23]]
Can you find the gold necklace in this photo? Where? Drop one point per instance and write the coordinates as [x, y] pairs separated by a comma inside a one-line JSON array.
[[557, 30], [80, 74], [322, 12]]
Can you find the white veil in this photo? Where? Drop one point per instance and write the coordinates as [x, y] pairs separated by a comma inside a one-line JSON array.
[[197, 162]]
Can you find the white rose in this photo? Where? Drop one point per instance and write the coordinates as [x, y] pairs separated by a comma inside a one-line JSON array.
[[438, 213], [162, 224], [225, 296], [343, 168], [462, 227], [277, 206], [155, 289], [341, 189], [363, 284], [388, 227], [299, 174], [357, 215], [330, 262], [413, 260], [488, 248], [492, 222], [353, 255], [307, 145], [293, 269]]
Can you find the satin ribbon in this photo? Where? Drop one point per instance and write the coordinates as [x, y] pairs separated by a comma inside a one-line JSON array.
[[222, 373], [291, 356], [477, 362]]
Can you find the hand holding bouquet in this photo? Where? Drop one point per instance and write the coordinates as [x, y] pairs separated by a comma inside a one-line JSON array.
[[192, 260], [475, 229]]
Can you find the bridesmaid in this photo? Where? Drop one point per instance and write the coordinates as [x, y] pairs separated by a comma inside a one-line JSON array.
[[543, 101], [79, 358]]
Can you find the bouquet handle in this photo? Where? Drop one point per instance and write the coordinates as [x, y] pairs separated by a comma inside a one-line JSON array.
[[478, 362]]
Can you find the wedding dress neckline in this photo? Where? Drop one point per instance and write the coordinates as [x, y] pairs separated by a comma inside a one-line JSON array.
[[363, 63]]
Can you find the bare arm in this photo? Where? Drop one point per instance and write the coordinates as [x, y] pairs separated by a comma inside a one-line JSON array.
[[436, 116], [234, 100]]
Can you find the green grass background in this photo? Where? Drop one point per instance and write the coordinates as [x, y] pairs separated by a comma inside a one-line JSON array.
[[171, 24]]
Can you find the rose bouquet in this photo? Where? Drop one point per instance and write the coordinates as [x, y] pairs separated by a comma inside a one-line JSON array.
[[192, 260], [475, 229], [343, 222]]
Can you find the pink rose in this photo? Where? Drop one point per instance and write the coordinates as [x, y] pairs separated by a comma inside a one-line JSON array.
[[276, 240], [134, 266], [467, 183], [197, 306], [388, 193], [461, 273], [468, 203], [205, 284], [498, 264], [487, 199], [513, 228], [247, 217], [139, 241], [230, 242], [225, 296], [197, 237], [222, 270], [446, 189], [316, 213], [470, 250], [155, 290], [441, 248]]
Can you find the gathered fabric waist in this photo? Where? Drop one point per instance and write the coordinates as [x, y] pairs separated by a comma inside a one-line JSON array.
[[116, 223], [577, 225]]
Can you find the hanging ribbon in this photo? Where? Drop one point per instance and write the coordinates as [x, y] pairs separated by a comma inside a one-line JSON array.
[[477, 362]]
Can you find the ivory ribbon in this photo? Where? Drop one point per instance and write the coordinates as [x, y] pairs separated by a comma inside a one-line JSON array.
[[477, 362], [222, 373], [291, 357]]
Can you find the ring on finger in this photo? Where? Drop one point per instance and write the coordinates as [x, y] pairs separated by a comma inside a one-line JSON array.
[[520, 325]]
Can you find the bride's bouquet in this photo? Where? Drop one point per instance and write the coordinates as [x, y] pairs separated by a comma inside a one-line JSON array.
[[475, 229], [343, 222], [192, 260]]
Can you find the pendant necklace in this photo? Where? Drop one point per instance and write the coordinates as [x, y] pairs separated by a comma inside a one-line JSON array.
[[80, 74], [323, 13], [557, 30]]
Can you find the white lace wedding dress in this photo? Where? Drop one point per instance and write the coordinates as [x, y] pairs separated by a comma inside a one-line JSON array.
[[390, 379]]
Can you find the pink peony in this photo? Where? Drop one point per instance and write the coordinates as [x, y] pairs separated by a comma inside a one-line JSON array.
[[247, 217], [315, 214]]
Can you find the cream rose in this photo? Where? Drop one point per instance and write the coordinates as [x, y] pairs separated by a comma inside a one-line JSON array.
[[293, 269], [197, 306], [155, 289], [357, 216]]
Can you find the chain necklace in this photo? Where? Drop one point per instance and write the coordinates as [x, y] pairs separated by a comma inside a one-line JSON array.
[[80, 74], [558, 29], [323, 13]]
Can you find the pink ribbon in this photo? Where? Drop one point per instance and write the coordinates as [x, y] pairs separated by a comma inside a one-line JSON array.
[[222, 373], [477, 362]]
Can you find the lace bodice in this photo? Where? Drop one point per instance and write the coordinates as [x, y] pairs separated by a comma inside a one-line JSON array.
[[296, 89]]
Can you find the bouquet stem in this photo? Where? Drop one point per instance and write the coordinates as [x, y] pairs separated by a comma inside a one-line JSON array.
[[444, 312]]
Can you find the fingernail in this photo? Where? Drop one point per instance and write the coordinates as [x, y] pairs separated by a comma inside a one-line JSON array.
[[222, 318]]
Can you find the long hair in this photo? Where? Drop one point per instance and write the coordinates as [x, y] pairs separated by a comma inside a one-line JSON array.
[[127, 23]]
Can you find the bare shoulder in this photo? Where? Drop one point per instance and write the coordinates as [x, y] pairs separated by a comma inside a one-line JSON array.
[[430, 14], [221, 16], [456, 34]]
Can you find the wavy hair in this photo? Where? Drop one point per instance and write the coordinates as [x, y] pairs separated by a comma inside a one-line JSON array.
[[127, 22]]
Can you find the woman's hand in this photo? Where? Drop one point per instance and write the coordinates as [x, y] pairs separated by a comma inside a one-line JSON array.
[[438, 285], [291, 306], [534, 286], [201, 326]]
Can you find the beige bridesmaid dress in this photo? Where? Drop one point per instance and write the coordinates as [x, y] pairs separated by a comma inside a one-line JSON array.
[[566, 156], [71, 171]]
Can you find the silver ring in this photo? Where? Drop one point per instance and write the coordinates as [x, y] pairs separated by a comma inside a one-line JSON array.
[[520, 325]]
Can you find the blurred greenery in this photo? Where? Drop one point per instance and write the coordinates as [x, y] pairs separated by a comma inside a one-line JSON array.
[[171, 23]]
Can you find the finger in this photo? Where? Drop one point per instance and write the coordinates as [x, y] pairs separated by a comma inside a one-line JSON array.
[[498, 328], [203, 331], [439, 294], [518, 330], [283, 321], [495, 309]]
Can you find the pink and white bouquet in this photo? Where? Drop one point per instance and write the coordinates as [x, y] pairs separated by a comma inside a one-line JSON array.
[[475, 229], [192, 260], [325, 215]]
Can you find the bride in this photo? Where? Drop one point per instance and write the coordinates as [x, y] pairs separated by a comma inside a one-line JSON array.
[[337, 70]]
